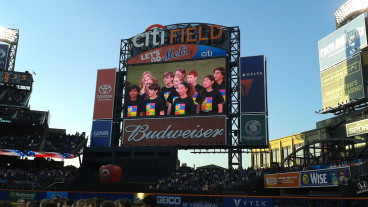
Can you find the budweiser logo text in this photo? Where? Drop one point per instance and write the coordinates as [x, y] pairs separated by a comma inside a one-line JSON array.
[[141, 132]]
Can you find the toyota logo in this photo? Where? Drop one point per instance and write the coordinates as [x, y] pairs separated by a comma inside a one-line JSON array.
[[104, 89]]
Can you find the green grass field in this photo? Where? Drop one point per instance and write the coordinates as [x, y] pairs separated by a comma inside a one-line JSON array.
[[203, 67]]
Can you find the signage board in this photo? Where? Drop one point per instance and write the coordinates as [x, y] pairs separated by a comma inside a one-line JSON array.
[[344, 43], [175, 131]]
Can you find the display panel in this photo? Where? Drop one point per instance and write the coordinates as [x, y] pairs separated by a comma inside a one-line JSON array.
[[342, 83], [202, 67], [175, 131], [17, 78]]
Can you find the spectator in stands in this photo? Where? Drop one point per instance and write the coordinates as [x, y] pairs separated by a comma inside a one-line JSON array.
[[149, 201], [21, 203], [107, 203], [33, 204], [123, 203], [79, 203], [47, 203]]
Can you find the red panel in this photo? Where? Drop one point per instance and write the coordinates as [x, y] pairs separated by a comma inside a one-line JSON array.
[[105, 92]]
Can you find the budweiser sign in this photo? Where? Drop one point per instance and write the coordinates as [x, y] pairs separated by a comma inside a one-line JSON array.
[[175, 131]]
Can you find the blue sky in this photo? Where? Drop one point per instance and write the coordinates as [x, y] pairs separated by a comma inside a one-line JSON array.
[[65, 42]]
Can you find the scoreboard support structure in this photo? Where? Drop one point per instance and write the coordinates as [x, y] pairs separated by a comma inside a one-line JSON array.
[[233, 147]]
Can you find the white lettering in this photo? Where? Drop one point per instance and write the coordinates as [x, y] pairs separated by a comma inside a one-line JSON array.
[[141, 132]]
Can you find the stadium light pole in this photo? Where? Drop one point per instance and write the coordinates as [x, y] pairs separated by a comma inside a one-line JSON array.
[[8, 35], [349, 10]]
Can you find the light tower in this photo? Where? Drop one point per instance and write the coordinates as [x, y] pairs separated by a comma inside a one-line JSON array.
[[9, 37]]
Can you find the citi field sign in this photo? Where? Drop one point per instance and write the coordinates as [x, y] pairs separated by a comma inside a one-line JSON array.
[[160, 43]]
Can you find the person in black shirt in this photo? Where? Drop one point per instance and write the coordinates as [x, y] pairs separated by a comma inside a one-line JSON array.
[[154, 104], [174, 94], [184, 104], [219, 74], [209, 100], [133, 105], [169, 86]]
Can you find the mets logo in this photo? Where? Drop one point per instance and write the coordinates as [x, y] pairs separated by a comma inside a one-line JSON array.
[[305, 179], [104, 89], [105, 174], [2, 53], [253, 127]]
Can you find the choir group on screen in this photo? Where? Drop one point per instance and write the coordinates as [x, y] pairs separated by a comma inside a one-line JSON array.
[[181, 95]]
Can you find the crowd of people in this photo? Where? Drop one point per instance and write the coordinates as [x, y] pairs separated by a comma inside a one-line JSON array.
[[56, 142], [53, 142], [32, 178], [22, 114], [11, 95], [100, 201], [20, 141], [216, 179], [181, 95]]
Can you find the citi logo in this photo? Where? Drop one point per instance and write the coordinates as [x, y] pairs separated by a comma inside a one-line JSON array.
[[104, 89]]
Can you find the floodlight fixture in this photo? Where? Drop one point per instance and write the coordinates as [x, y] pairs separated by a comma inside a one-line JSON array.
[[8, 35], [349, 10]]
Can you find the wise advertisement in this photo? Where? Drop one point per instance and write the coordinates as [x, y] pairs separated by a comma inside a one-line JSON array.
[[282, 180], [325, 178], [175, 131], [105, 92], [253, 84], [247, 201], [101, 133], [177, 52], [4, 48], [343, 43], [253, 129], [342, 83]]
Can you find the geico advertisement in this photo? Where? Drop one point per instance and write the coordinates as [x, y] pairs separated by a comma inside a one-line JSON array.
[[176, 131], [169, 200]]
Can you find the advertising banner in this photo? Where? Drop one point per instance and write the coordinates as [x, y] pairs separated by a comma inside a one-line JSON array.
[[52, 195], [247, 201], [177, 52], [253, 129], [105, 93], [101, 133], [169, 200], [325, 177], [175, 131], [342, 83], [16, 195], [253, 84], [200, 204], [282, 180], [343, 43], [361, 187], [4, 49], [178, 34], [357, 128]]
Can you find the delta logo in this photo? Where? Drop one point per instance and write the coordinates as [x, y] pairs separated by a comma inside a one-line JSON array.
[[157, 35]]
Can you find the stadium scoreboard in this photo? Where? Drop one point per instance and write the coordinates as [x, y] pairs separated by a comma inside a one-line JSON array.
[[17, 78]]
